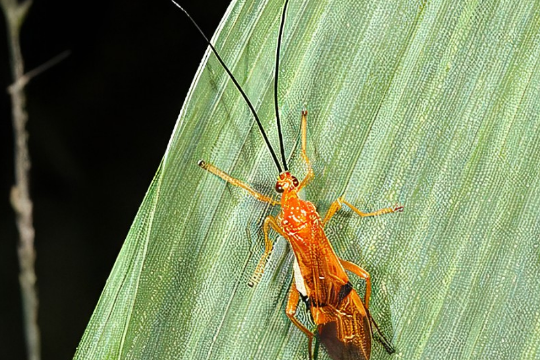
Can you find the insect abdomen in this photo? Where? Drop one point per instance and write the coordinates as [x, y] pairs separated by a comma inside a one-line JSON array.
[[347, 334]]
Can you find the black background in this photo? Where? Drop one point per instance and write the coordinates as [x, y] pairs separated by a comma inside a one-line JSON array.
[[99, 125]]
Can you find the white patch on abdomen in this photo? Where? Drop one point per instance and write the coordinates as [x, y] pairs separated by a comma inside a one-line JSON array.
[[298, 278]]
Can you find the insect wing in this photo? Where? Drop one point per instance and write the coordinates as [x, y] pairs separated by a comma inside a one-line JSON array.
[[349, 337]]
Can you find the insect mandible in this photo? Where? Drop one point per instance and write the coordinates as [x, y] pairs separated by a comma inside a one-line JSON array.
[[344, 323]]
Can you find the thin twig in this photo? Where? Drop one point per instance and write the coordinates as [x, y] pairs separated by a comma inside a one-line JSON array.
[[25, 79], [20, 194]]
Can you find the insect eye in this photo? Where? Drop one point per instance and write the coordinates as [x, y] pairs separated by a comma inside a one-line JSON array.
[[279, 189], [295, 181]]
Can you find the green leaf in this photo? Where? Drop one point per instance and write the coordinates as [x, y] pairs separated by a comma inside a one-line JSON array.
[[434, 105]]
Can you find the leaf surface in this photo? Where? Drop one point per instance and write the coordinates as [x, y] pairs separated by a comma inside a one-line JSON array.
[[434, 105]]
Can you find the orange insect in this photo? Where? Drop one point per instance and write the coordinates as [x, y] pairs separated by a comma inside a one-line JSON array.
[[344, 324]]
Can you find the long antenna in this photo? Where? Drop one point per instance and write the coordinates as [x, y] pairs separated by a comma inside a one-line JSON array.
[[276, 106], [237, 86]]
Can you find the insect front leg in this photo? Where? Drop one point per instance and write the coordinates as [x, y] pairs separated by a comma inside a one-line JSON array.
[[222, 174], [270, 221], [292, 305], [310, 174], [336, 205]]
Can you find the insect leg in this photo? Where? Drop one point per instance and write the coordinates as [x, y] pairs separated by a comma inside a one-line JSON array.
[[384, 341], [270, 221], [336, 205], [310, 174], [387, 210], [214, 170], [355, 269], [292, 305]]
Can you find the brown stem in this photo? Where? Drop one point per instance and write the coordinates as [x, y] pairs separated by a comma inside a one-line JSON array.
[[20, 194]]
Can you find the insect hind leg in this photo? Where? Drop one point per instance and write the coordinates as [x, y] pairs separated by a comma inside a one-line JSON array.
[[355, 269], [380, 336], [292, 305]]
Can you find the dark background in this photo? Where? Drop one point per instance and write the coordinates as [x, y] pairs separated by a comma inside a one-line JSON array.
[[99, 125]]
